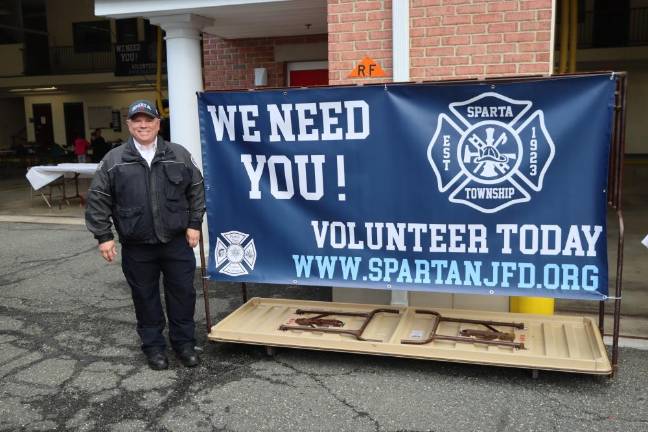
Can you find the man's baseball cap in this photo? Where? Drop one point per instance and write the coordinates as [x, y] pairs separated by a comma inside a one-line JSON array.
[[142, 106]]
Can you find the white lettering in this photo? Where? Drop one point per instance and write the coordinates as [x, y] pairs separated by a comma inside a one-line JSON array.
[[305, 122], [280, 123], [249, 123], [222, 121], [254, 174], [328, 122], [287, 171], [351, 106]]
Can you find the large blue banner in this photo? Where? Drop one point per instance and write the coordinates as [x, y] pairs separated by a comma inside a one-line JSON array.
[[488, 188]]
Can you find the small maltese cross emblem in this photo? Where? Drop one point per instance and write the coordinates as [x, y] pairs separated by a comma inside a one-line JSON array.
[[234, 257]]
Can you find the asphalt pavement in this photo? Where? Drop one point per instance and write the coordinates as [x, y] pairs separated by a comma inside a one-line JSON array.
[[70, 360]]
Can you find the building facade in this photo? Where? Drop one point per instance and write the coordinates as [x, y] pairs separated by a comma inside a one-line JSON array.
[[66, 72], [224, 45]]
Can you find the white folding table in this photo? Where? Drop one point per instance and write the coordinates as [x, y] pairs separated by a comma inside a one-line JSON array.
[[54, 176]]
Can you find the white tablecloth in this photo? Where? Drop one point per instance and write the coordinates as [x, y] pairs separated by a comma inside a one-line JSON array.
[[43, 175]]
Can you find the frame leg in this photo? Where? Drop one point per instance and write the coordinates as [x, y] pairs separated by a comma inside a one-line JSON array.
[[244, 294], [601, 322], [203, 274]]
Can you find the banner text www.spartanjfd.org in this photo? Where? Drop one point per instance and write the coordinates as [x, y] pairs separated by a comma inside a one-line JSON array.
[[437, 239]]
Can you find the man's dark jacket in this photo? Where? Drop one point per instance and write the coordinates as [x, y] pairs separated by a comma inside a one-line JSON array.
[[148, 205]]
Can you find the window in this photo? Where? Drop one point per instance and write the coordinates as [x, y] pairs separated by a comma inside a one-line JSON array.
[[150, 36], [150, 32], [91, 36], [126, 30], [611, 23]]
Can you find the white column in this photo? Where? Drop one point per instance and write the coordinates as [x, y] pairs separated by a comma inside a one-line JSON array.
[[184, 76], [400, 40], [401, 65]]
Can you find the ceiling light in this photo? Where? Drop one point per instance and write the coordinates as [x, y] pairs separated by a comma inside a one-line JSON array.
[[33, 89]]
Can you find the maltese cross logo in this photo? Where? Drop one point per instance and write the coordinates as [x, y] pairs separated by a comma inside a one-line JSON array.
[[490, 151], [232, 253]]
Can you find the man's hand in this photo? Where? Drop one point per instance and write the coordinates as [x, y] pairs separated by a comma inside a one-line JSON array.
[[193, 236], [108, 250]]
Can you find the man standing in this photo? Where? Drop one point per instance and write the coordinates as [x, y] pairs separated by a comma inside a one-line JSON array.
[[99, 146], [154, 194]]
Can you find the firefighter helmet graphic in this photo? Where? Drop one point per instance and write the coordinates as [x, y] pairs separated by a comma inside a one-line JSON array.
[[489, 151], [233, 253]]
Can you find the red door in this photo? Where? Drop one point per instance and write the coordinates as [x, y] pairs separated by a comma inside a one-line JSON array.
[[307, 78]]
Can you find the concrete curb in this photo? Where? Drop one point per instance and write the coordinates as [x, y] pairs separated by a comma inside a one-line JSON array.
[[61, 220]]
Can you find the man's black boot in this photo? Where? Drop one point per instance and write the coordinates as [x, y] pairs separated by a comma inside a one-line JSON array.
[[188, 356], [157, 360]]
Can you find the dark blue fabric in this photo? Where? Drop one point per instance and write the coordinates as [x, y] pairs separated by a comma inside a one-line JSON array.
[[142, 265], [435, 154]]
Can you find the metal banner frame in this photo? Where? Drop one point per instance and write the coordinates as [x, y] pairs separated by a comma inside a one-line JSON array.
[[614, 201], [490, 336], [615, 195]]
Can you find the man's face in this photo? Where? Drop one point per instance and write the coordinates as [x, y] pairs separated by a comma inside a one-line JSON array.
[[143, 128]]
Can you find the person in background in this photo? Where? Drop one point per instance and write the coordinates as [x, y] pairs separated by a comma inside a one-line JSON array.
[[153, 192], [99, 146], [81, 146]]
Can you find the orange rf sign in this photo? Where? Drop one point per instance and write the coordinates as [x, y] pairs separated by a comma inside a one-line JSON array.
[[367, 68]]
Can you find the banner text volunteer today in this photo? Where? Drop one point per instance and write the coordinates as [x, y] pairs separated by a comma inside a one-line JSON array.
[[436, 239]]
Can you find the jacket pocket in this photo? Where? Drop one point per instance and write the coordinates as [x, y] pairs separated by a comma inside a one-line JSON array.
[[128, 221], [175, 184], [177, 217]]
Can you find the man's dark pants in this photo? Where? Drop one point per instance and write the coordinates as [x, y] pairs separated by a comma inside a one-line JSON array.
[[142, 264]]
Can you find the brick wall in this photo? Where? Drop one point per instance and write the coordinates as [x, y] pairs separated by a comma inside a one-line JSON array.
[[464, 38], [449, 39], [229, 64], [357, 28]]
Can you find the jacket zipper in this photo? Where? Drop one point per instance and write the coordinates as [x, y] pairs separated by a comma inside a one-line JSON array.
[[149, 181]]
